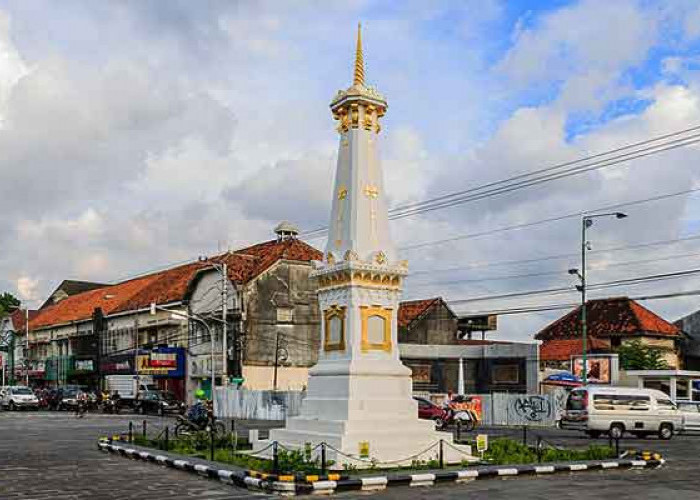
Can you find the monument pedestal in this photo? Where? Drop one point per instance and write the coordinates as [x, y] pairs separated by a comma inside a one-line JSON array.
[[353, 404]]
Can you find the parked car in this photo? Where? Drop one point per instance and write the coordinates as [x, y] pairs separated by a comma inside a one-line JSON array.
[[158, 402], [617, 410], [691, 415], [18, 398], [428, 410]]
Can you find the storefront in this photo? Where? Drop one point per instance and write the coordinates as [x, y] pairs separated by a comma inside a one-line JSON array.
[[167, 366]]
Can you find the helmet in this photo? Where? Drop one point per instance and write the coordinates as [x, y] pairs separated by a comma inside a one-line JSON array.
[[199, 394]]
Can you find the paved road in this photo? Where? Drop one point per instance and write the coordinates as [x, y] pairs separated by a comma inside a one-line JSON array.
[[53, 456], [676, 481]]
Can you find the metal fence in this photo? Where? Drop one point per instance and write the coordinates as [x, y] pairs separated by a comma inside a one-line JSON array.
[[522, 409], [502, 409], [257, 405]]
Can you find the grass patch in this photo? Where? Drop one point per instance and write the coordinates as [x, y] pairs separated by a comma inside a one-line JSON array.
[[505, 451]]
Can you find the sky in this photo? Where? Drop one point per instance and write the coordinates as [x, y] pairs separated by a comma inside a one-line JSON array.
[[138, 134]]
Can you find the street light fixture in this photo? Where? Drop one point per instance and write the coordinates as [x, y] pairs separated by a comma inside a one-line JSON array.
[[586, 222], [155, 307]]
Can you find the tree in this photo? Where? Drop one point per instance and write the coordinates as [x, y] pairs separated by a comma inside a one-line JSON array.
[[8, 303], [635, 355]]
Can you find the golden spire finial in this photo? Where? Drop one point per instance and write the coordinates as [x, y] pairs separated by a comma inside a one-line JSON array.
[[359, 78]]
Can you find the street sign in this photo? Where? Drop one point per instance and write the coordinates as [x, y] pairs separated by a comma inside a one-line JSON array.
[[482, 442], [364, 449]]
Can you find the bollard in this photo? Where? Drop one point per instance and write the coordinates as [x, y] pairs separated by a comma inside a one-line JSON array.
[[144, 429], [459, 431], [617, 447], [441, 456], [167, 438], [323, 459], [211, 443], [131, 432], [275, 459], [233, 426], [539, 449], [525, 435]]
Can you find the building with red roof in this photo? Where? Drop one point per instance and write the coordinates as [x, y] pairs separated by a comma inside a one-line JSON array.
[[65, 333], [610, 323]]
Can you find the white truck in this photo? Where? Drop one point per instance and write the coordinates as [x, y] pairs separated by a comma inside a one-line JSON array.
[[129, 386]]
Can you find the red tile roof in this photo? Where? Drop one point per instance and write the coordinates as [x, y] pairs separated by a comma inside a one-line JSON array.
[[412, 310], [562, 350], [609, 317], [18, 318], [170, 285]]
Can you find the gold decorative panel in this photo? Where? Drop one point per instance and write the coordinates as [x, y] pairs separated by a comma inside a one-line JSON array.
[[334, 328], [376, 328]]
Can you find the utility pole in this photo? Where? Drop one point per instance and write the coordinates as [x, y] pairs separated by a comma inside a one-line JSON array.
[[224, 297], [586, 222], [26, 334]]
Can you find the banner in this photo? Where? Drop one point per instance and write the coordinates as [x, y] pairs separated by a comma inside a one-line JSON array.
[[598, 369], [167, 361]]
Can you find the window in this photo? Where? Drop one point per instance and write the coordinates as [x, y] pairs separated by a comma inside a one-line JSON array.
[[577, 401], [665, 404], [689, 407], [621, 402]]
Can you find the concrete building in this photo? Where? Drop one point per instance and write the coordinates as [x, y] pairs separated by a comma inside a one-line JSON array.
[[690, 345], [110, 330]]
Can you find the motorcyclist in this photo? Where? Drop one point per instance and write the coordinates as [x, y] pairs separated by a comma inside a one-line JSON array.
[[197, 413]]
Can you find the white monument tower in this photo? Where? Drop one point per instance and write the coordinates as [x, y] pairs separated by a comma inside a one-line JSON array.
[[360, 393]]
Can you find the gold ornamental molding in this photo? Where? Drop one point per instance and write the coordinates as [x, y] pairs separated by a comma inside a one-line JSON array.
[[335, 314], [363, 278], [378, 318]]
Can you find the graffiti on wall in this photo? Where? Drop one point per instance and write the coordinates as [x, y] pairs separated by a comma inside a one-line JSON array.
[[533, 408]]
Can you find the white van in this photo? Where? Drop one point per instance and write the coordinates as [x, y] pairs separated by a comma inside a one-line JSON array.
[[616, 410]]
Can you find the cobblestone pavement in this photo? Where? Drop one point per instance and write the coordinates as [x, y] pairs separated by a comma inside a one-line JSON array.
[[54, 456]]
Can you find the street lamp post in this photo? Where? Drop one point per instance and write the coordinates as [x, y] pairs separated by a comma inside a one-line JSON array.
[[586, 222], [155, 307]]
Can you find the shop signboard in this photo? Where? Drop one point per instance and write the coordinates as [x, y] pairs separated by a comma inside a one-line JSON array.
[[163, 361], [598, 369]]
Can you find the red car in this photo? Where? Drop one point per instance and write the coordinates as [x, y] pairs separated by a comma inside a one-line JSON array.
[[429, 410]]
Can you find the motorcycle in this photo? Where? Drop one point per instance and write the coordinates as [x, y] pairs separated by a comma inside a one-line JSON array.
[[186, 427], [457, 412], [110, 406]]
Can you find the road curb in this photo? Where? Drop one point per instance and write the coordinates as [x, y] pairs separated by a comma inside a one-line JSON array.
[[324, 485]]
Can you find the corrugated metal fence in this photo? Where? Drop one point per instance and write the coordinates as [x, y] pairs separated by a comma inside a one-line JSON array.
[[257, 405], [496, 408], [522, 409]]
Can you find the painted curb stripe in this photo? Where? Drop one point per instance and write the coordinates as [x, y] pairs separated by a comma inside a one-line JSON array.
[[446, 476], [269, 482], [324, 485], [544, 469], [349, 484], [507, 472], [374, 481], [466, 474]]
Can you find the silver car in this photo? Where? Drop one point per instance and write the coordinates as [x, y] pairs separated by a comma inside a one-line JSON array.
[[691, 415], [18, 398]]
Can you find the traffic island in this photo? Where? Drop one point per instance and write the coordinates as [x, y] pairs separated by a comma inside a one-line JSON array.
[[330, 483]]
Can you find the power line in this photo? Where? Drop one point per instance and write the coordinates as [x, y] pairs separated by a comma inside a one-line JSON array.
[[558, 256], [553, 273], [547, 220], [554, 307], [593, 286], [523, 180]]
